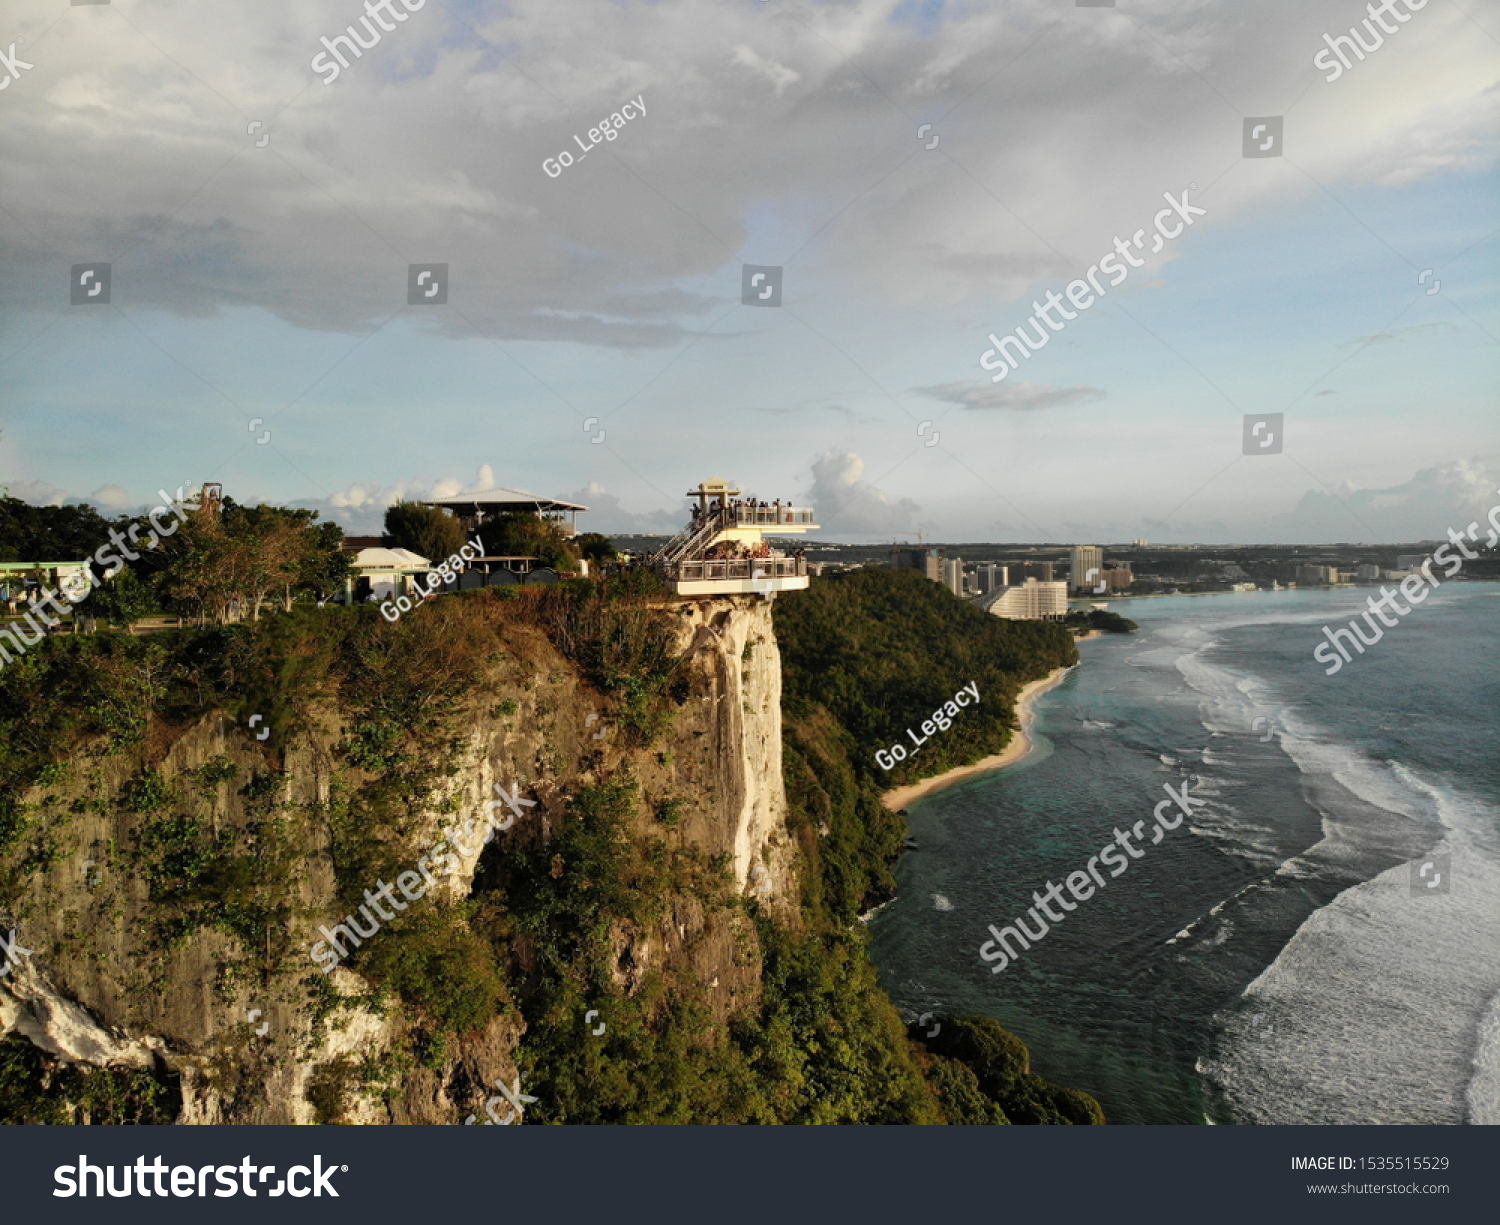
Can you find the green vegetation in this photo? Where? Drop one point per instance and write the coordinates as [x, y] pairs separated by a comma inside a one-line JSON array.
[[596, 549], [622, 642], [1001, 1069], [427, 531], [865, 656], [254, 556], [37, 1090], [1098, 619], [608, 911], [523, 535], [50, 533]]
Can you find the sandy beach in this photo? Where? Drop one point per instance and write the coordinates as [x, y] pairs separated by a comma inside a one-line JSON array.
[[1019, 746]]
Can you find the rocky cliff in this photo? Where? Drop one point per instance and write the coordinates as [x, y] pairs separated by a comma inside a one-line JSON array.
[[169, 885]]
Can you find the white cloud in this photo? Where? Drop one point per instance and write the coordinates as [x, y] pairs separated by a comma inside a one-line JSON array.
[[1451, 495], [845, 502], [607, 515], [778, 74]]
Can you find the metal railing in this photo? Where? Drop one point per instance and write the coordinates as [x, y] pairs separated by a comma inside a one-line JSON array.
[[691, 539]]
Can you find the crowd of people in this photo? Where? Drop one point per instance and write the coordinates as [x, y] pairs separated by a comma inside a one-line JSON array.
[[737, 508]]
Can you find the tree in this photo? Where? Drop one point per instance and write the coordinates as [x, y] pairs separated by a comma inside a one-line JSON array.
[[525, 535], [325, 565], [596, 548], [249, 554], [427, 531], [122, 600], [49, 533]]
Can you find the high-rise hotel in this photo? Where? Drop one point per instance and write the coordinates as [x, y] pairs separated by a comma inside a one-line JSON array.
[[1086, 557]]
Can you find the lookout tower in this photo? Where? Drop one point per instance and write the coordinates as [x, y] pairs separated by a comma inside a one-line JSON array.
[[723, 550]]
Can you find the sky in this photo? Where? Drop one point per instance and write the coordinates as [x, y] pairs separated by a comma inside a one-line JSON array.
[[920, 173]]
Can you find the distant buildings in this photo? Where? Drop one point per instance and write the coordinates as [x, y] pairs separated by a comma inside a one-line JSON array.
[[989, 576], [1039, 570], [928, 561], [378, 573], [1317, 576], [1087, 562], [1367, 573], [953, 575], [1118, 579], [1140, 544], [1030, 601]]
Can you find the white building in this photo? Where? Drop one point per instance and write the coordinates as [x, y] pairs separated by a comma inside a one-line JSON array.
[[1029, 601], [1086, 558], [383, 573], [953, 575]]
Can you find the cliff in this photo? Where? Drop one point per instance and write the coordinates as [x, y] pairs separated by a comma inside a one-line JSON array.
[[190, 823]]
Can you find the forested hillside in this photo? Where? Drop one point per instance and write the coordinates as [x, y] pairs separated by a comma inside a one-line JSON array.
[[865, 656], [170, 869]]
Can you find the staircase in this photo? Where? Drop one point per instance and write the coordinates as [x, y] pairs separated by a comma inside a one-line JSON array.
[[687, 541]]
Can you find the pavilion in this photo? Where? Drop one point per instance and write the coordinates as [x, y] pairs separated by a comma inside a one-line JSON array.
[[474, 509]]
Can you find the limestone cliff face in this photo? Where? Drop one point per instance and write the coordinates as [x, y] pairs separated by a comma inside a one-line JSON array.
[[103, 986]]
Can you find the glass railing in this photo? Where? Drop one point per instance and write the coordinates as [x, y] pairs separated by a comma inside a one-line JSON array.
[[728, 569], [761, 516]]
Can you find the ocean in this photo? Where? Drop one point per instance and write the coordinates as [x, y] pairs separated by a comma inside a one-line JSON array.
[[1281, 956]]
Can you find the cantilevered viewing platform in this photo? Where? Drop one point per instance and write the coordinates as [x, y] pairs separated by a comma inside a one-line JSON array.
[[723, 550]]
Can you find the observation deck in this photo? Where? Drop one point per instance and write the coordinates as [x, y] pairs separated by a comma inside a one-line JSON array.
[[723, 550]]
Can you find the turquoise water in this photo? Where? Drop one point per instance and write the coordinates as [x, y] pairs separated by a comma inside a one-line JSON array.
[[1276, 957]]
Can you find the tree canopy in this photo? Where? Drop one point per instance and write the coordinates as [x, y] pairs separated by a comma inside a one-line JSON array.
[[49, 533], [428, 531]]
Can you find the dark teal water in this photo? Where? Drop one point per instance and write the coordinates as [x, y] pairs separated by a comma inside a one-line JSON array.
[[1270, 960]]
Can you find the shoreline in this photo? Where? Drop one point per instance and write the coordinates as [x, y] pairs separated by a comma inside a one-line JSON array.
[[1020, 745]]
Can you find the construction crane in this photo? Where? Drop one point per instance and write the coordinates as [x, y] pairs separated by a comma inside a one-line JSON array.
[[895, 545]]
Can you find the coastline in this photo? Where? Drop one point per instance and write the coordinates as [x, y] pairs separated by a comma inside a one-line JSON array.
[[1020, 745]]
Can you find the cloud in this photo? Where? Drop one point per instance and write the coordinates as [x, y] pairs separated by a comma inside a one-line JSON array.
[[1400, 334], [607, 515], [778, 74], [845, 502], [1022, 397], [418, 149], [1423, 508], [111, 498], [360, 508], [38, 493]]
